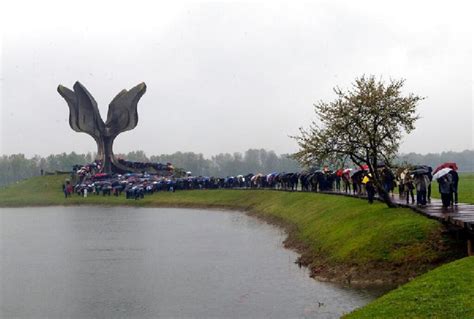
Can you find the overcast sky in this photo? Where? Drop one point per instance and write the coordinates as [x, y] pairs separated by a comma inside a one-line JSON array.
[[225, 76]]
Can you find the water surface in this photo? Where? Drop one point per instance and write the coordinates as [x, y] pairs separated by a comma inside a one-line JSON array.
[[96, 262]]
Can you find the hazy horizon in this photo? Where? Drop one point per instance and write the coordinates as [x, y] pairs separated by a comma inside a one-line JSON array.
[[229, 76]]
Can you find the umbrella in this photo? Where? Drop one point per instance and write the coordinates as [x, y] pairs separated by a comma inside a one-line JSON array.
[[339, 172], [364, 167], [420, 171], [422, 167], [441, 173], [357, 173], [347, 171], [446, 165]]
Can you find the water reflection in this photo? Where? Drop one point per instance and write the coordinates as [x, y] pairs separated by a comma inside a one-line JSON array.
[[146, 263]]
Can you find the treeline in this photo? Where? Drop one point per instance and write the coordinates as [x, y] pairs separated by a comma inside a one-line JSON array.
[[464, 159], [17, 167]]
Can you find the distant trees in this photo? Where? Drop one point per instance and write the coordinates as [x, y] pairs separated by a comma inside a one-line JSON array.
[[363, 124], [16, 167], [464, 159]]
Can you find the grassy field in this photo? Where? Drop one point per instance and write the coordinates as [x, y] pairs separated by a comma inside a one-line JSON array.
[[446, 292], [329, 230]]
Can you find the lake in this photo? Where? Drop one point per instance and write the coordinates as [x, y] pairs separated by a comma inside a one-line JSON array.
[[120, 262]]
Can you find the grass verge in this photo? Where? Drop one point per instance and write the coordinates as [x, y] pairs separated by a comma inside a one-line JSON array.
[[446, 292]]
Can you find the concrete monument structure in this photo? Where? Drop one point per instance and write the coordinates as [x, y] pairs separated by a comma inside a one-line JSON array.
[[84, 117]]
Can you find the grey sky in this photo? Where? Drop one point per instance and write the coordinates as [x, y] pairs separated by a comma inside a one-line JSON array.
[[228, 76]]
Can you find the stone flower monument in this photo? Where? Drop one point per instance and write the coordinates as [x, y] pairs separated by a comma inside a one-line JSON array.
[[84, 117]]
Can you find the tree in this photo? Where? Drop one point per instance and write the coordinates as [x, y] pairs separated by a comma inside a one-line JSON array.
[[364, 124]]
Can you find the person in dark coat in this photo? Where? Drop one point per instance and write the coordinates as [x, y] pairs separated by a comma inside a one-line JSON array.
[[370, 188], [445, 187], [65, 190], [388, 179], [430, 177], [421, 183], [454, 186], [409, 187]]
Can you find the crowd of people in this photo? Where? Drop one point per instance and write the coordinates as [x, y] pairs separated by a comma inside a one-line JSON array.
[[88, 180], [142, 166]]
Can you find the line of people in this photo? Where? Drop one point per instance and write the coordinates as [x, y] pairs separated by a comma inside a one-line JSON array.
[[358, 182]]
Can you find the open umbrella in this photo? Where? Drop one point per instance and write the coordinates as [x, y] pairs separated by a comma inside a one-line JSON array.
[[420, 171], [441, 173], [357, 174], [422, 166], [445, 165]]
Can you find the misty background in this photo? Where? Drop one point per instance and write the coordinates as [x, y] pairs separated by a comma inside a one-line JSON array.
[[228, 76]]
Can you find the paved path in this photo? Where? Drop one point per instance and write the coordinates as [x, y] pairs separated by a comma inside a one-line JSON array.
[[461, 215]]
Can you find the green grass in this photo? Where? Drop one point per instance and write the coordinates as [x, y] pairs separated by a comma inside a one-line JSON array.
[[446, 292], [344, 230], [466, 188]]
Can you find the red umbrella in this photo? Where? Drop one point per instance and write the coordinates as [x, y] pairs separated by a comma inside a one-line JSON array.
[[339, 172], [446, 165], [364, 167]]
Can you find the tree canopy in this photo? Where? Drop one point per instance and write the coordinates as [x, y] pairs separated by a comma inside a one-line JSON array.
[[363, 124]]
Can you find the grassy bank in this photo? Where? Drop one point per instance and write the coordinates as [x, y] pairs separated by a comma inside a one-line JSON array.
[[339, 237], [446, 292]]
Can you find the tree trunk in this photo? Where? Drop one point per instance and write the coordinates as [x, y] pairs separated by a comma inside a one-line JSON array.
[[384, 195]]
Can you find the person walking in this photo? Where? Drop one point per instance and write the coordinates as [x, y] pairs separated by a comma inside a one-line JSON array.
[[445, 187], [421, 184], [430, 178], [338, 183], [65, 190], [454, 186], [409, 187], [388, 180], [370, 188]]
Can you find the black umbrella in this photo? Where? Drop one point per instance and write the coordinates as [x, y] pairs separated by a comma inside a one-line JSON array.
[[420, 171]]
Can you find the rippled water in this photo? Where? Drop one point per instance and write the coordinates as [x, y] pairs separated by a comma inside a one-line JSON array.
[[95, 262]]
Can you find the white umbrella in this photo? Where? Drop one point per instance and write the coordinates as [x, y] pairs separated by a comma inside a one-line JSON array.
[[441, 173]]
